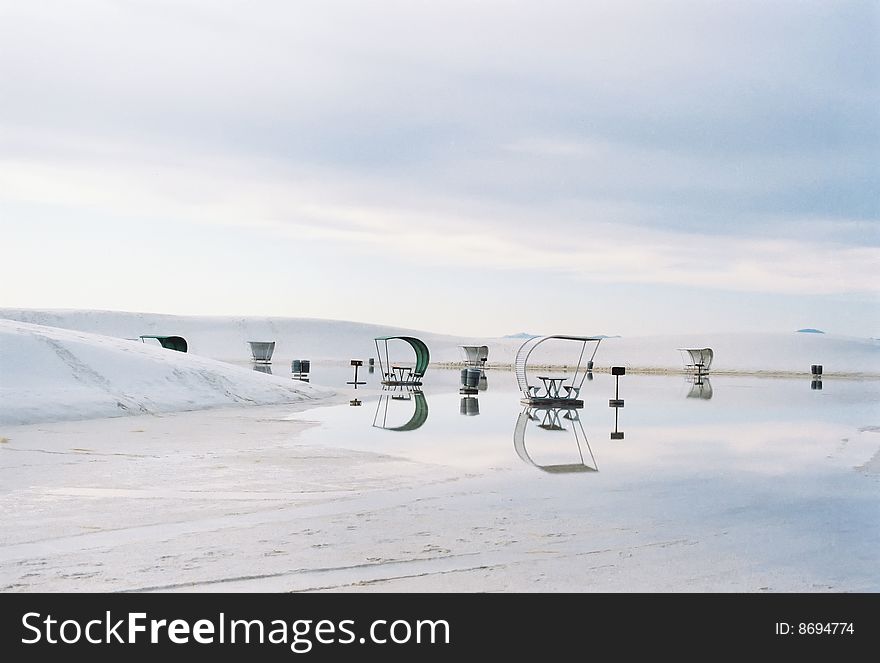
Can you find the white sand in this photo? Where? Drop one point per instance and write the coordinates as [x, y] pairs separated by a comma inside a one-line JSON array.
[[229, 499], [52, 374]]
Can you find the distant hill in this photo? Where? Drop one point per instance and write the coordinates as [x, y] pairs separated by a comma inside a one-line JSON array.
[[810, 330]]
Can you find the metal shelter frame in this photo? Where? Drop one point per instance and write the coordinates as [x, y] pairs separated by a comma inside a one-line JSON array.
[[572, 386], [698, 360], [474, 356], [413, 377]]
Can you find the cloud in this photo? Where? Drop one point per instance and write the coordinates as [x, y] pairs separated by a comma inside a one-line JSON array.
[[725, 145], [594, 241]]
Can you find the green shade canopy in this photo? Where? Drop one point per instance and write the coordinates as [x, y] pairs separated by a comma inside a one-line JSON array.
[[423, 356], [171, 342]]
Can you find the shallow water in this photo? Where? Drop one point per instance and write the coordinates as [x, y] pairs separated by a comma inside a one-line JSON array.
[[777, 473], [768, 485], [759, 424]]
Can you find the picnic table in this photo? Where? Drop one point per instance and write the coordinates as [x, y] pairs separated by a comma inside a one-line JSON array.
[[402, 372], [552, 385]]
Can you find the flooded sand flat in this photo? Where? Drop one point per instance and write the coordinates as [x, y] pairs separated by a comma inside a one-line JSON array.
[[745, 478], [749, 485]]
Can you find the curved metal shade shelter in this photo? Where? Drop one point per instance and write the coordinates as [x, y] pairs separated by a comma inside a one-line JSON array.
[[262, 351], [170, 342], [697, 359], [475, 356], [419, 417], [570, 388], [549, 419], [397, 375]]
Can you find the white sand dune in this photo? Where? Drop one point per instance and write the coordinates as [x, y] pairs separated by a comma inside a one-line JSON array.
[[53, 374], [225, 338]]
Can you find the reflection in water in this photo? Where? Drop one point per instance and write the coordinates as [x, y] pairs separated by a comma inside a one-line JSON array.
[[393, 401], [617, 402], [356, 364], [816, 372], [616, 434], [470, 380], [555, 420], [701, 387], [771, 439], [473, 381], [263, 368], [470, 406]]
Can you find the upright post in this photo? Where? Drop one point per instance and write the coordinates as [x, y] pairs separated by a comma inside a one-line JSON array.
[[617, 401]]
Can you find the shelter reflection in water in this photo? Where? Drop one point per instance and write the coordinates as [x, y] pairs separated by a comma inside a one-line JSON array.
[[396, 404], [701, 386], [548, 426]]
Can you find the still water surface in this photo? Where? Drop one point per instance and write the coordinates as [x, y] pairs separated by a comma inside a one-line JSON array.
[[727, 424], [771, 471]]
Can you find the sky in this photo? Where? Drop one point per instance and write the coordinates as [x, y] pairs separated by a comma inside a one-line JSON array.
[[477, 168]]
